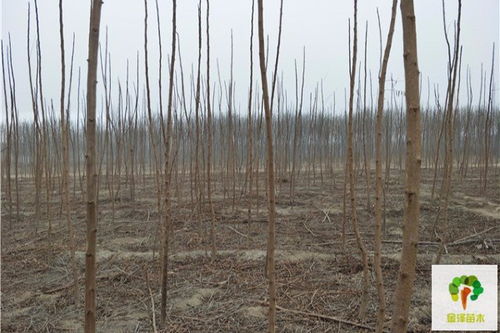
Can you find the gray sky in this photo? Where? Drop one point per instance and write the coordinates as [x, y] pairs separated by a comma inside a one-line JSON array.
[[318, 25]]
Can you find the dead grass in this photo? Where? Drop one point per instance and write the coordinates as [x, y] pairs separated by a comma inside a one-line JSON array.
[[315, 273]]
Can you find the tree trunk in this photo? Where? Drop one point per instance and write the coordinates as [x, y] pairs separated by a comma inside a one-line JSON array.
[[90, 161], [406, 278], [270, 175], [350, 173], [209, 143], [377, 260], [169, 166], [65, 158]]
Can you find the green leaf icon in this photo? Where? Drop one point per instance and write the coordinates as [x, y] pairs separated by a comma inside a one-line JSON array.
[[453, 289], [478, 291]]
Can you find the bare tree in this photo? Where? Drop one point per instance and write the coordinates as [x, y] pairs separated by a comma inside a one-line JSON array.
[[43, 149], [406, 276], [37, 149], [8, 137], [350, 170], [197, 177], [453, 64], [209, 140], [151, 128], [65, 157], [377, 260], [15, 124], [297, 124], [488, 122], [270, 174], [168, 172], [90, 160], [250, 148], [364, 134]]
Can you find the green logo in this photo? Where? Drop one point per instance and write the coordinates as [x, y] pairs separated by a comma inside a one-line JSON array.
[[462, 285]]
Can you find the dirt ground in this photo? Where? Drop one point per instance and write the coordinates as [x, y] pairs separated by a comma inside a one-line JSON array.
[[315, 272]]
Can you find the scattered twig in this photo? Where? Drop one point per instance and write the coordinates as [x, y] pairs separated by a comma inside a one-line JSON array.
[[321, 316], [236, 231], [421, 243], [71, 284], [152, 302], [308, 229], [461, 240], [327, 216]]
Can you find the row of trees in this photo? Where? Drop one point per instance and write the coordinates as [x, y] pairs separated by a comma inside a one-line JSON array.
[[318, 141], [310, 144], [264, 151]]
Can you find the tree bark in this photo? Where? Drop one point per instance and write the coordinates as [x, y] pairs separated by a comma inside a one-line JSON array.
[[350, 172], [406, 277], [90, 163], [65, 158], [209, 143], [270, 175], [377, 260], [169, 166]]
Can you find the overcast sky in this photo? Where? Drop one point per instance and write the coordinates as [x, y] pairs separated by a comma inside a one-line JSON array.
[[319, 26]]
